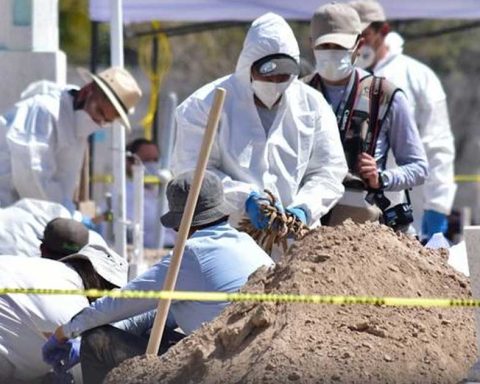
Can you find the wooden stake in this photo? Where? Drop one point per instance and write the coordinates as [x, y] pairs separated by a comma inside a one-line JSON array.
[[172, 274]]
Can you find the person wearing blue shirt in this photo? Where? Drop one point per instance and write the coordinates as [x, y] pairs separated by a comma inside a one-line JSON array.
[[217, 257]]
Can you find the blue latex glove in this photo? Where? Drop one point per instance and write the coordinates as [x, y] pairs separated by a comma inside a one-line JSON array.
[[61, 356], [299, 213], [88, 222], [433, 222], [254, 208]]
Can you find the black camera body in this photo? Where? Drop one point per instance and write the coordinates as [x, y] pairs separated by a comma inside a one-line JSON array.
[[399, 217]]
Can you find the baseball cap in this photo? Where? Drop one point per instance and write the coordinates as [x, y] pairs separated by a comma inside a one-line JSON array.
[[64, 236], [211, 205], [105, 261], [369, 11], [276, 64], [335, 23]]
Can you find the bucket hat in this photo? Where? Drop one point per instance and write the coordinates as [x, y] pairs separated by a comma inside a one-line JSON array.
[[105, 261], [211, 205]]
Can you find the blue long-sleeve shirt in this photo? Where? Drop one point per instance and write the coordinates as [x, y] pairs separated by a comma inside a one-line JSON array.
[[218, 258]]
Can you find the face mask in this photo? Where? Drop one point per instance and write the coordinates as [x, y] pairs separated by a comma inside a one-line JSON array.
[[84, 125], [366, 57], [151, 168], [333, 64], [106, 125], [268, 92]]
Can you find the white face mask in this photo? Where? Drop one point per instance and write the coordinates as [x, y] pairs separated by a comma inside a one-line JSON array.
[[84, 125], [366, 57], [333, 64], [268, 92]]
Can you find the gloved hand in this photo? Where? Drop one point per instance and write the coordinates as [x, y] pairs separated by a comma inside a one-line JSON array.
[[90, 223], [433, 222], [299, 213], [61, 355], [254, 208]]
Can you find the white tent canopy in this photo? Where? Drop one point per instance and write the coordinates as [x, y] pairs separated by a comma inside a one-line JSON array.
[[247, 10]]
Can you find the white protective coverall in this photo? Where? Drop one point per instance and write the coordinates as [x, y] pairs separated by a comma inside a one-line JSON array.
[[428, 100], [22, 225], [26, 319], [42, 145], [301, 160]]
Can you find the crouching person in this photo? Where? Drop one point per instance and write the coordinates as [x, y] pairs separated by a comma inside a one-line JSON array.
[[26, 321], [216, 258]]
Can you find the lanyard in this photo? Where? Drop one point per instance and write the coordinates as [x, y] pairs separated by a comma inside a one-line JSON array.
[[344, 109]]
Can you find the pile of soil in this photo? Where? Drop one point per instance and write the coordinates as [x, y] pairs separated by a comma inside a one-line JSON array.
[[306, 343]]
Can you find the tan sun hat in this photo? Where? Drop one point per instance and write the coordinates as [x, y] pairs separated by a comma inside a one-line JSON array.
[[120, 88], [369, 11], [335, 23]]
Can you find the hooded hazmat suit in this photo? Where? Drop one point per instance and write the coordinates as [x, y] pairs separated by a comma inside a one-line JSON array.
[[42, 145], [301, 158], [428, 101]]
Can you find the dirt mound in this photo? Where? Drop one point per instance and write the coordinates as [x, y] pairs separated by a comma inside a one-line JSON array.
[[288, 343]]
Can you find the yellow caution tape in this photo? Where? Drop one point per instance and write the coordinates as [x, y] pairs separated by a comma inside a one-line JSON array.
[[155, 71], [467, 178], [108, 179], [254, 297]]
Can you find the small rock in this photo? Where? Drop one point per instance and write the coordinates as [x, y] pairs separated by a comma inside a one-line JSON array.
[[270, 367], [335, 377], [387, 358], [347, 355], [294, 376], [393, 268]]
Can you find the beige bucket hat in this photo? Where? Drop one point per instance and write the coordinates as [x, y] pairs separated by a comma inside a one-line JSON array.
[[120, 88]]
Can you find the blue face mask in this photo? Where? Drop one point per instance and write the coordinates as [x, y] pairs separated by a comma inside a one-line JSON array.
[[151, 168]]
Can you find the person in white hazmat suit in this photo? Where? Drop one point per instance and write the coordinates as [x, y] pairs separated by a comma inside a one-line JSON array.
[[43, 139], [23, 225], [275, 132], [382, 54], [26, 321]]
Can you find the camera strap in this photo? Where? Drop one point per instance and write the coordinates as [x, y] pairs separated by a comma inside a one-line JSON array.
[[377, 197], [374, 121]]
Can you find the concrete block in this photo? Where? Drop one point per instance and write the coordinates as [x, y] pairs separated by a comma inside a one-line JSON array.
[[28, 25], [19, 69], [472, 241]]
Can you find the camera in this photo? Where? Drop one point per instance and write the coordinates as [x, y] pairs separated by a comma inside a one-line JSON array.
[[398, 217]]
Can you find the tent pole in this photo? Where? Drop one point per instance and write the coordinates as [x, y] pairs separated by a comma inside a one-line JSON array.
[[118, 137]]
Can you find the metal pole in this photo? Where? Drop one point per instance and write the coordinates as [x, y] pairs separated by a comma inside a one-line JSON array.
[[138, 172], [118, 137], [94, 51], [166, 136]]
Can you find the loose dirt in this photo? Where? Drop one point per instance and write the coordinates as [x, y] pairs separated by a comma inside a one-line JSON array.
[[305, 343]]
